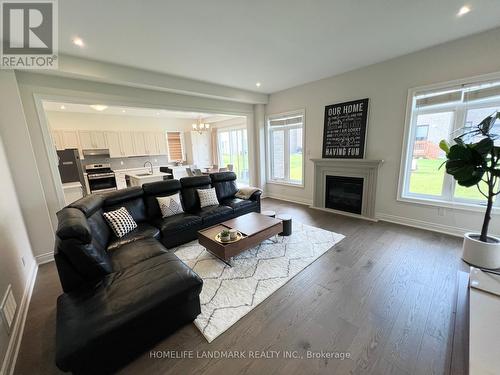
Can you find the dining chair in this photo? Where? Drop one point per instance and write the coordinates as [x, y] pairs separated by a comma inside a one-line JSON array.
[[197, 172], [230, 167], [215, 167], [222, 169], [189, 172]]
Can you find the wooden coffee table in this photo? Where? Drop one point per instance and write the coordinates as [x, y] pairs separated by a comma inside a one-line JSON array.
[[254, 227]]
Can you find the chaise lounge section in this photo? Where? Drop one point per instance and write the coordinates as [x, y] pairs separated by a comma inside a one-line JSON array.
[[122, 295]]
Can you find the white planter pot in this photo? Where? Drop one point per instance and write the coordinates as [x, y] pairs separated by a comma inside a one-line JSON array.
[[481, 254]]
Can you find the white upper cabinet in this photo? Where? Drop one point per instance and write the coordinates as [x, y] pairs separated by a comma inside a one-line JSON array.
[[127, 143], [86, 140], [99, 139], [70, 138], [150, 142], [57, 139], [121, 143], [161, 143], [92, 139], [114, 145], [139, 144]]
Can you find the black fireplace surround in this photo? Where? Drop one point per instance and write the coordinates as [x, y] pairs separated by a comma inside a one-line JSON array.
[[344, 193]]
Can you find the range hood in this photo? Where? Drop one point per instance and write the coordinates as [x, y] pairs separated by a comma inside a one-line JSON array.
[[104, 152]]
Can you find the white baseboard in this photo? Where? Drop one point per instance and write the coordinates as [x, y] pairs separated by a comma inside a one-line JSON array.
[[440, 228], [16, 335], [306, 202], [45, 258]]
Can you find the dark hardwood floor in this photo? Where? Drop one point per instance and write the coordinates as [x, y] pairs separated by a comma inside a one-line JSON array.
[[386, 294]]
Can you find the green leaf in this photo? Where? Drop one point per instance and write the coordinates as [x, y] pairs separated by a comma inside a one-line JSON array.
[[483, 147], [445, 146]]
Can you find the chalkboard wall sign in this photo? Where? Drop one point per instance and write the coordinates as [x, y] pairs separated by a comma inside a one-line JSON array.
[[345, 130]]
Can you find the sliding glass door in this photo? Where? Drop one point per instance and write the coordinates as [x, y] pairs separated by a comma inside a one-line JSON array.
[[233, 149]]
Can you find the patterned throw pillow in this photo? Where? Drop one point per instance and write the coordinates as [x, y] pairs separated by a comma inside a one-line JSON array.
[[120, 221], [170, 205], [208, 197]]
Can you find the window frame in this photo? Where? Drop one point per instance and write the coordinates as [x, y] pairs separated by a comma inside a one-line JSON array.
[[286, 181], [183, 148], [446, 199]]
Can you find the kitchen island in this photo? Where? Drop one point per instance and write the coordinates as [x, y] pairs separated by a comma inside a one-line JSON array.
[[138, 178]]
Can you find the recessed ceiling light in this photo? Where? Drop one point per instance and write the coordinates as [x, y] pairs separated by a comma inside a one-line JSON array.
[[464, 10], [123, 111], [78, 42], [98, 107], [63, 107], [257, 84]]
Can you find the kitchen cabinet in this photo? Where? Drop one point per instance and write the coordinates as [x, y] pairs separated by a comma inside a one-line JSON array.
[[127, 143], [57, 139], [121, 181], [70, 138], [90, 140], [114, 144], [139, 144], [161, 143], [150, 143]]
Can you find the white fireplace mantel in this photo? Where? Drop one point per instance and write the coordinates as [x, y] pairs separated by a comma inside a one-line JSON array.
[[363, 168]]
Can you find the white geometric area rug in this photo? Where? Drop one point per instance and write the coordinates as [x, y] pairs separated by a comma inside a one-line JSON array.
[[229, 293]]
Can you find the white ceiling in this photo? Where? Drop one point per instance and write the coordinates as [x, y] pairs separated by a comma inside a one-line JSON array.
[[132, 111], [281, 43]]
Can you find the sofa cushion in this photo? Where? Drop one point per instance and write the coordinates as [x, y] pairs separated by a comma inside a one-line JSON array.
[[135, 252], [158, 189], [225, 184], [142, 231], [119, 318], [181, 222], [120, 221], [238, 204], [170, 205], [84, 255], [215, 214], [130, 198], [88, 204], [208, 197], [190, 198]]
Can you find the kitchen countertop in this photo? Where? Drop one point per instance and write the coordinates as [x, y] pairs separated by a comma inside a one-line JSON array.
[[148, 176]]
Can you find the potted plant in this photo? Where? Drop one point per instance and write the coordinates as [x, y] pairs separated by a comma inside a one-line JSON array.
[[477, 163], [225, 235]]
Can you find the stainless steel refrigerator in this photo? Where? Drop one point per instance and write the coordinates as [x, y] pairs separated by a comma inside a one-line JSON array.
[[70, 166]]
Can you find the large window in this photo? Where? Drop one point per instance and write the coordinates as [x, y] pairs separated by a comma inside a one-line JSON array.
[[443, 114], [285, 148], [233, 150]]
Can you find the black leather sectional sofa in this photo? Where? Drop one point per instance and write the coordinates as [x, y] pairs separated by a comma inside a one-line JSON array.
[[122, 295]]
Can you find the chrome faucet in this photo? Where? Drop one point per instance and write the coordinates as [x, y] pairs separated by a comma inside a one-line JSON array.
[[151, 166]]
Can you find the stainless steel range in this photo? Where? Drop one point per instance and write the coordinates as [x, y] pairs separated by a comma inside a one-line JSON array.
[[100, 177]]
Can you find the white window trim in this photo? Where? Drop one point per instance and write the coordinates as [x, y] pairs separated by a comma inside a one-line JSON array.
[[405, 165], [183, 148], [269, 179]]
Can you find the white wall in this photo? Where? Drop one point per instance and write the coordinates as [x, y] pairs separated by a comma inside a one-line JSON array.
[[14, 246], [387, 84], [101, 121]]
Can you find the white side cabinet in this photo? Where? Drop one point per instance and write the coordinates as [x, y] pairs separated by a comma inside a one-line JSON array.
[[202, 149]]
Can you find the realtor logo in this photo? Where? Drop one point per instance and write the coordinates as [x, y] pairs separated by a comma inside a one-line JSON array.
[[29, 34]]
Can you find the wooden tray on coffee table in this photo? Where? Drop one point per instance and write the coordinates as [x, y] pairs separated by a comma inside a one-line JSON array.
[[255, 228]]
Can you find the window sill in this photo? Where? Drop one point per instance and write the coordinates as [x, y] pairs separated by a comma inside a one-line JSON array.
[[446, 204], [284, 183]]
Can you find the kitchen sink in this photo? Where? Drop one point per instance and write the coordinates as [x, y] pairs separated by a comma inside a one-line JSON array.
[[144, 174]]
